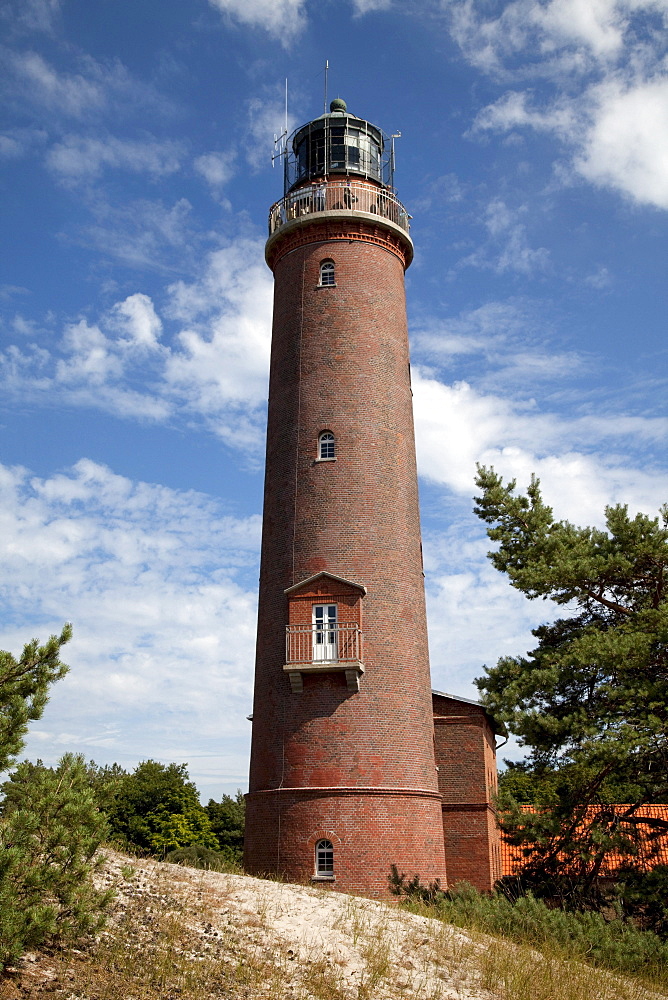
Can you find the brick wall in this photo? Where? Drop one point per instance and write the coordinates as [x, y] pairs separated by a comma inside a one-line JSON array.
[[340, 363], [467, 778]]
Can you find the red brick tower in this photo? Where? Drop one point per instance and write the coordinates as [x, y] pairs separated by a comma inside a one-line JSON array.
[[342, 780]]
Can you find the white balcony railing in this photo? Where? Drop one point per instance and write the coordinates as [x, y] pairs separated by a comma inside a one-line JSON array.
[[323, 644], [338, 196]]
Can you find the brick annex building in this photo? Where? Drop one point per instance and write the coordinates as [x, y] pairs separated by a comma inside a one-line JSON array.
[[355, 763]]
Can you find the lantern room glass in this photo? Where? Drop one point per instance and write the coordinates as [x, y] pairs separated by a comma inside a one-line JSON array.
[[336, 144]]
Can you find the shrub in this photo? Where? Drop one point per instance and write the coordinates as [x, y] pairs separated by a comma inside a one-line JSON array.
[[50, 829], [613, 944], [227, 819], [157, 809], [197, 856]]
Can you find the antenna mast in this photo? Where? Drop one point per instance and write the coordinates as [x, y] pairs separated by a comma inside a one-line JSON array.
[[280, 141], [326, 76]]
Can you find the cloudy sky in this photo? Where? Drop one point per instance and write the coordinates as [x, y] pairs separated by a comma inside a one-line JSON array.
[[135, 319]]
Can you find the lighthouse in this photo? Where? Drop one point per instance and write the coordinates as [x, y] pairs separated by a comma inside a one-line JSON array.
[[343, 781]]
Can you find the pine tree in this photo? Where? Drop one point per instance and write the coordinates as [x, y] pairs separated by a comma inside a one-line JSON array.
[[50, 830], [24, 686], [590, 701]]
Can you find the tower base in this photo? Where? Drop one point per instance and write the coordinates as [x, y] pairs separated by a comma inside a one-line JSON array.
[[369, 828]]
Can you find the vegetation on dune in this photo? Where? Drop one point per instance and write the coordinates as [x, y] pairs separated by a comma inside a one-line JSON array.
[[50, 824], [587, 937]]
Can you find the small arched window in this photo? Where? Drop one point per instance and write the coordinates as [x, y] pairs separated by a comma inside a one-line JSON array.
[[326, 445], [327, 273], [324, 858]]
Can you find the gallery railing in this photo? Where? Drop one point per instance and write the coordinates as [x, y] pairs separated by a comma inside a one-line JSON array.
[[338, 196]]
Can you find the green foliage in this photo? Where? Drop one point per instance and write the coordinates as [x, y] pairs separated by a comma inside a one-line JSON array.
[[24, 685], [197, 856], [105, 781], [412, 888], [518, 783], [643, 896], [175, 830], [228, 819], [157, 809], [591, 700], [50, 829], [588, 937]]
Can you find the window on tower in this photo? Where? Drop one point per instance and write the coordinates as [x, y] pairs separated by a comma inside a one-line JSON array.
[[324, 858], [326, 445], [327, 273]]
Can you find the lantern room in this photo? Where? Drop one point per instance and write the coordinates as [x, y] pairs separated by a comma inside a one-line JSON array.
[[338, 143]]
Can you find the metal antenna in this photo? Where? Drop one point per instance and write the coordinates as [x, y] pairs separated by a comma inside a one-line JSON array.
[[280, 141], [326, 76]]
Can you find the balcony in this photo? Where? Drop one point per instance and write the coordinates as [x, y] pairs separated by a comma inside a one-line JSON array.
[[311, 649], [338, 196]]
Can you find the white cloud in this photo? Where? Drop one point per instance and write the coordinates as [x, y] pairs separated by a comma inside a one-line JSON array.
[[86, 90], [223, 355], [507, 248], [284, 19], [217, 169], [626, 145], [19, 142], [138, 318], [474, 615], [90, 360], [361, 7], [512, 111], [132, 565], [213, 366], [79, 158], [144, 234], [582, 460], [597, 24], [36, 15], [555, 38], [617, 132], [67, 94], [607, 60], [10, 149], [266, 119]]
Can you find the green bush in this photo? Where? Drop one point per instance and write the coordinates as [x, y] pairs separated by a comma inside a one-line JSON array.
[[612, 944], [157, 809], [228, 819], [197, 856], [643, 896], [50, 829]]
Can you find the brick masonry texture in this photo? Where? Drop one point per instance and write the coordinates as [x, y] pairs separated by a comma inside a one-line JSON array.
[[466, 759], [359, 765]]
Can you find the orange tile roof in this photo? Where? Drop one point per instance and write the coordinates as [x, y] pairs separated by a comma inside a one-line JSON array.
[[652, 851]]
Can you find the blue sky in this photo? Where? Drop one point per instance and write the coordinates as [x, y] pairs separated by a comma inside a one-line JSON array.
[[135, 314]]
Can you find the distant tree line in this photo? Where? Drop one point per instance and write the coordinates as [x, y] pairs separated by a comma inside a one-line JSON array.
[[156, 809]]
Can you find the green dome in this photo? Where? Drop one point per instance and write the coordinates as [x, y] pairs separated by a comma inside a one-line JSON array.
[[338, 104]]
